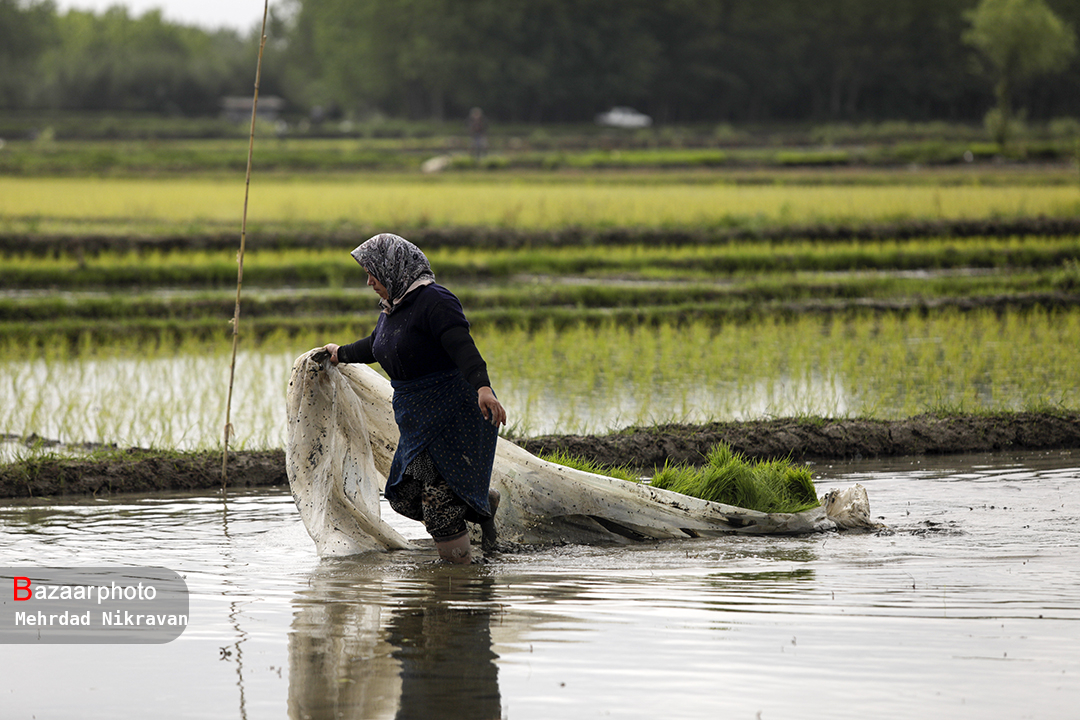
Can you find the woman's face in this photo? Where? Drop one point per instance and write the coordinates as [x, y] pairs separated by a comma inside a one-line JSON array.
[[377, 287]]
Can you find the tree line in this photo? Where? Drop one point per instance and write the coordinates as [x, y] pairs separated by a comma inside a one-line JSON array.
[[549, 60], [81, 61]]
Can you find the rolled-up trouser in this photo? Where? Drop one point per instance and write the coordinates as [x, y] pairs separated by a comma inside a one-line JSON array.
[[424, 495]]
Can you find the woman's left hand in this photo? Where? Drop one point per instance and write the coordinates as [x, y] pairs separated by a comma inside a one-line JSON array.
[[491, 407]]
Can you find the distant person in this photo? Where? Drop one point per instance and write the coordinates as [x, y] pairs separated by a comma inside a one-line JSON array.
[[478, 132]]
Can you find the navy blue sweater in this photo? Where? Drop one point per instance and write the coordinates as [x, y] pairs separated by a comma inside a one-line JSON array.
[[426, 333]]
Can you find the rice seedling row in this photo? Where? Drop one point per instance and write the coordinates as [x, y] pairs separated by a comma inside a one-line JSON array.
[[134, 157], [43, 237], [64, 334], [334, 268], [543, 292], [643, 333], [500, 204], [577, 378]]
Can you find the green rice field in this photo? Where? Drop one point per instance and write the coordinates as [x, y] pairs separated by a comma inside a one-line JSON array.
[[505, 202], [334, 268], [132, 347], [581, 379]]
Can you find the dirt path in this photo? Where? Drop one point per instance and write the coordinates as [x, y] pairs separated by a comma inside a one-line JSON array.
[[809, 439]]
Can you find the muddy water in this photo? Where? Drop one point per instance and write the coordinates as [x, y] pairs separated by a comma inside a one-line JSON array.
[[970, 608]]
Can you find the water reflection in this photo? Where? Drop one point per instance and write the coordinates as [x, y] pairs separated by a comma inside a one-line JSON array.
[[366, 644], [970, 609], [443, 642], [781, 579]]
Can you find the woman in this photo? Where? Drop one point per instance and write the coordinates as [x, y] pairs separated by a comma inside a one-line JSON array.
[[444, 406]]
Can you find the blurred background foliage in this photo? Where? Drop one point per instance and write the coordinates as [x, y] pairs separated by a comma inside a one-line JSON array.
[[551, 61]]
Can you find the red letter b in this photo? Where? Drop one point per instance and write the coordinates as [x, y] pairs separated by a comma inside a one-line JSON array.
[[22, 588]]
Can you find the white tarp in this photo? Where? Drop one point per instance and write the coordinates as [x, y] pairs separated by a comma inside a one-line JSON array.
[[341, 440]]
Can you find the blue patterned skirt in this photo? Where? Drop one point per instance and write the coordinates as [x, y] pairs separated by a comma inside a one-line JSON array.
[[438, 413]]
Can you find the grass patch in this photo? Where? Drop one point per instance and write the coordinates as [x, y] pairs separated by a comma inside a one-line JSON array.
[[773, 486], [620, 472]]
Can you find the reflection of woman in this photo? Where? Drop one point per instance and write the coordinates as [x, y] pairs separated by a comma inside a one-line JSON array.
[[441, 636], [444, 406], [364, 645]]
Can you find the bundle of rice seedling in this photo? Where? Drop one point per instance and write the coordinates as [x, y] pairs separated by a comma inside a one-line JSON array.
[[767, 486], [560, 457]]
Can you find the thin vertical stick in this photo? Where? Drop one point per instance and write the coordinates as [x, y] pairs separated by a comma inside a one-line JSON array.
[[240, 254]]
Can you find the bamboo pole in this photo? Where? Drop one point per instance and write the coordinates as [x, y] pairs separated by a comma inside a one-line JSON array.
[[240, 254]]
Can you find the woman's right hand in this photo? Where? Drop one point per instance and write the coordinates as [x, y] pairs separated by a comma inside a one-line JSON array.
[[332, 349], [490, 406]]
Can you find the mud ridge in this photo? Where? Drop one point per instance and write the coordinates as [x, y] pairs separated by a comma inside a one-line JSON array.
[[140, 471], [802, 439], [822, 439]]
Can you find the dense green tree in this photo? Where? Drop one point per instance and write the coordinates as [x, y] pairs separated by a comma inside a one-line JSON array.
[[1018, 39], [26, 29], [114, 61], [679, 59], [425, 58], [556, 60]]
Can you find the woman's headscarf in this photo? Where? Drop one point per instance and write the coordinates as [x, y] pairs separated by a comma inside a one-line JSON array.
[[396, 263]]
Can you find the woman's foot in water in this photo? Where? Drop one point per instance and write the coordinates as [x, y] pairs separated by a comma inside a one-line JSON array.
[[455, 549]]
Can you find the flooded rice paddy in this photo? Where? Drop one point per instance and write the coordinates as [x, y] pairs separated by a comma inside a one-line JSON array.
[[969, 608], [585, 380]]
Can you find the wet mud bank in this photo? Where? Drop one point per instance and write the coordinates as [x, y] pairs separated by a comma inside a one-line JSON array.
[[140, 471], [820, 439], [804, 439]]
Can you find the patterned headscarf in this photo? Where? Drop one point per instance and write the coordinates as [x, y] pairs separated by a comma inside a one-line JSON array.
[[395, 262]]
